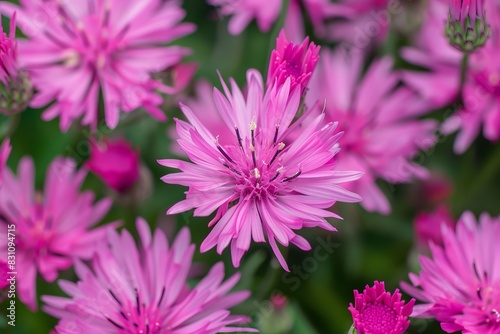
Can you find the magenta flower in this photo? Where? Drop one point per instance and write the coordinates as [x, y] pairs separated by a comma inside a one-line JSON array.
[[116, 163], [260, 182], [294, 61], [381, 136], [5, 150], [441, 86], [106, 46], [427, 226], [267, 12], [52, 229], [4, 269], [377, 311], [460, 285], [15, 86], [143, 289]]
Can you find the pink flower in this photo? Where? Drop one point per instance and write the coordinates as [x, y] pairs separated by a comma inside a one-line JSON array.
[[143, 289], [92, 46], [15, 86], [260, 182], [4, 269], [428, 226], [382, 132], [294, 61], [116, 163], [51, 230], [460, 285], [5, 150], [467, 28], [377, 311], [266, 14], [441, 86]]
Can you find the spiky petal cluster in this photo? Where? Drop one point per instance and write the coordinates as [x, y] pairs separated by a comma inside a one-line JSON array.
[[376, 311], [381, 136], [294, 61], [15, 86], [143, 289], [460, 285], [467, 28], [92, 46], [52, 229], [261, 182]]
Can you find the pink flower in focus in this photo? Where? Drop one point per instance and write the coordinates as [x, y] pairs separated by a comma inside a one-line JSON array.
[[294, 61], [377, 311], [4, 269], [52, 230], [428, 226], [5, 150], [460, 285], [260, 182], [143, 289], [116, 163], [92, 46], [382, 131]]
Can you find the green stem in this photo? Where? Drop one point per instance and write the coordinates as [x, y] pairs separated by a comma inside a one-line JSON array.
[[463, 73]]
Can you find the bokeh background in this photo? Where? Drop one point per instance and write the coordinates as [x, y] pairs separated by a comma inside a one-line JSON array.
[[367, 246]]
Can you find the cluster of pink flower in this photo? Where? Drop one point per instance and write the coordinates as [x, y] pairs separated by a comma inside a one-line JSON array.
[[266, 161]]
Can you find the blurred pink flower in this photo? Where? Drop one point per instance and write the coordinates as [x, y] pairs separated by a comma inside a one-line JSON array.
[[5, 150], [4, 269], [116, 163], [376, 311], [441, 86], [266, 13], [427, 226], [259, 182], [294, 61], [92, 46], [382, 131], [15, 86], [53, 229], [359, 23], [460, 285], [434, 190], [144, 289]]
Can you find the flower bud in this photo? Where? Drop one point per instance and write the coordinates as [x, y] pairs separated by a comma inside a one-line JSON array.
[[467, 28], [15, 86]]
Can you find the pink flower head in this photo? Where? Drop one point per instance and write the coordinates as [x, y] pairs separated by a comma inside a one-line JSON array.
[[428, 226], [91, 46], [51, 229], [261, 182], [467, 28], [377, 311], [4, 276], [294, 61], [143, 289], [5, 150], [116, 163], [460, 285], [382, 129]]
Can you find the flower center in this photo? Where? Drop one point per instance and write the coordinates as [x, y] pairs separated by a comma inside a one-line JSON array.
[[135, 317], [489, 298], [490, 81], [256, 165], [378, 318]]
